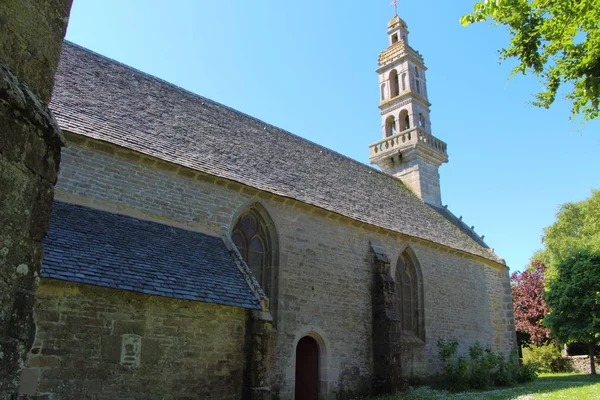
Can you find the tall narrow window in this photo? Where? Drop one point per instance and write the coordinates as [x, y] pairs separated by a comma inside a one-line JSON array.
[[408, 296], [394, 89], [404, 82], [404, 120], [421, 120], [390, 126], [256, 243], [417, 80]]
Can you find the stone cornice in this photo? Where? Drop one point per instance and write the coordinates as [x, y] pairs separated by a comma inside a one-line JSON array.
[[402, 100]]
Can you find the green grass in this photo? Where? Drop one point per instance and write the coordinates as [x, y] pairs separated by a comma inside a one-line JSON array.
[[547, 386]]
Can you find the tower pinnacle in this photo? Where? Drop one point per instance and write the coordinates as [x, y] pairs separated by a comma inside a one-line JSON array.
[[408, 150]]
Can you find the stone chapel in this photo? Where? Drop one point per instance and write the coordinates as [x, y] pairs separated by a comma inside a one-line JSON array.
[[195, 252]]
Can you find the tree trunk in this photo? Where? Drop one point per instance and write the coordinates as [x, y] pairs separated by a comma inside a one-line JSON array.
[[592, 350]]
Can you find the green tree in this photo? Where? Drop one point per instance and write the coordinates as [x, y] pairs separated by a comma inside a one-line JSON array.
[[573, 295], [577, 227], [557, 40]]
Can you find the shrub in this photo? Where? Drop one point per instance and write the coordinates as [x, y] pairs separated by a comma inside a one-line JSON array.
[[482, 369], [504, 373], [482, 364], [547, 358], [456, 370], [526, 373]]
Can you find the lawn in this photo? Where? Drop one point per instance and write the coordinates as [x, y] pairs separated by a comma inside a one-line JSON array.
[[547, 386]]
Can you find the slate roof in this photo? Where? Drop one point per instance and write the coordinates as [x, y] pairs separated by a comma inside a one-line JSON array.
[[109, 101], [460, 224], [100, 248]]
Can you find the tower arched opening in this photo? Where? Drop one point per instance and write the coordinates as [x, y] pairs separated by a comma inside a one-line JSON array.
[[394, 87], [390, 126], [404, 120], [422, 120]]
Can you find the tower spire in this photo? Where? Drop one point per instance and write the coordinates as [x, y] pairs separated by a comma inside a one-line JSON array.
[[408, 150]]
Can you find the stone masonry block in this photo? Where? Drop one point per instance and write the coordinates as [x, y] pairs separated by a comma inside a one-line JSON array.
[[25, 201]]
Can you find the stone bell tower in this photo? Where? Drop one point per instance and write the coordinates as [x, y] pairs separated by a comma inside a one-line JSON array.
[[407, 150]]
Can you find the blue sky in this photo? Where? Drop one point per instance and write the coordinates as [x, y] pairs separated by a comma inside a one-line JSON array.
[[309, 67]]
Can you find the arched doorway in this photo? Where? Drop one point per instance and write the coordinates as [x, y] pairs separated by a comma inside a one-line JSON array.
[[307, 369]]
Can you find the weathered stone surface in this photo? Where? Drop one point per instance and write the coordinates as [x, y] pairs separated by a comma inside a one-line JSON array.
[[257, 385], [31, 33], [30, 144], [325, 271], [387, 370], [103, 343]]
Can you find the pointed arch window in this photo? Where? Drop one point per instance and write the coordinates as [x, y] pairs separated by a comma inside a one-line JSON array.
[[255, 243], [409, 304]]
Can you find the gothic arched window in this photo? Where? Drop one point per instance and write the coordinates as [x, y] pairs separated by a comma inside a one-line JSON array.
[[409, 296], [256, 245]]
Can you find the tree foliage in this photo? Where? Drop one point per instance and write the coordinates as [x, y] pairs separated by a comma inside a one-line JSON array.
[[577, 227], [557, 40], [529, 305], [573, 295]]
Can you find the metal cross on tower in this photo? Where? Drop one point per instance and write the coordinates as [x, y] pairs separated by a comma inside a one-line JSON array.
[[395, 4]]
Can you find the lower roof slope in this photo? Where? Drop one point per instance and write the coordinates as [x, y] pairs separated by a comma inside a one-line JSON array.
[[103, 249], [106, 100]]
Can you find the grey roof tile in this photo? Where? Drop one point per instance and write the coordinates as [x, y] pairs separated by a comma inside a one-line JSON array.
[[106, 100], [179, 264]]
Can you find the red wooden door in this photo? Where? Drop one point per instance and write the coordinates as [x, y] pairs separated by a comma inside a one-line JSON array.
[[307, 369]]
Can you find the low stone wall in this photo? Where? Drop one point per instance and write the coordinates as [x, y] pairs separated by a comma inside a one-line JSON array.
[[100, 343], [582, 364]]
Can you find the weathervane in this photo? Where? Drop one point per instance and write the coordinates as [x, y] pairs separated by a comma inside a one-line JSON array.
[[395, 4]]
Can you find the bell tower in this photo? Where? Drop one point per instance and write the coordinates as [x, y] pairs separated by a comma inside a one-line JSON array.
[[408, 150]]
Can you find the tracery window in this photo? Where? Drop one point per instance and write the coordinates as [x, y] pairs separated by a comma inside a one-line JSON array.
[[408, 296], [251, 238]]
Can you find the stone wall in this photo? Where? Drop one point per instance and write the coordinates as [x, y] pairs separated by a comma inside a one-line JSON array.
[[101, 343], [582, 364], [325, 267], [31, 34]]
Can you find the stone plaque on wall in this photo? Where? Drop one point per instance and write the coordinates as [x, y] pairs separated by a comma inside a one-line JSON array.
[[131, 351]]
